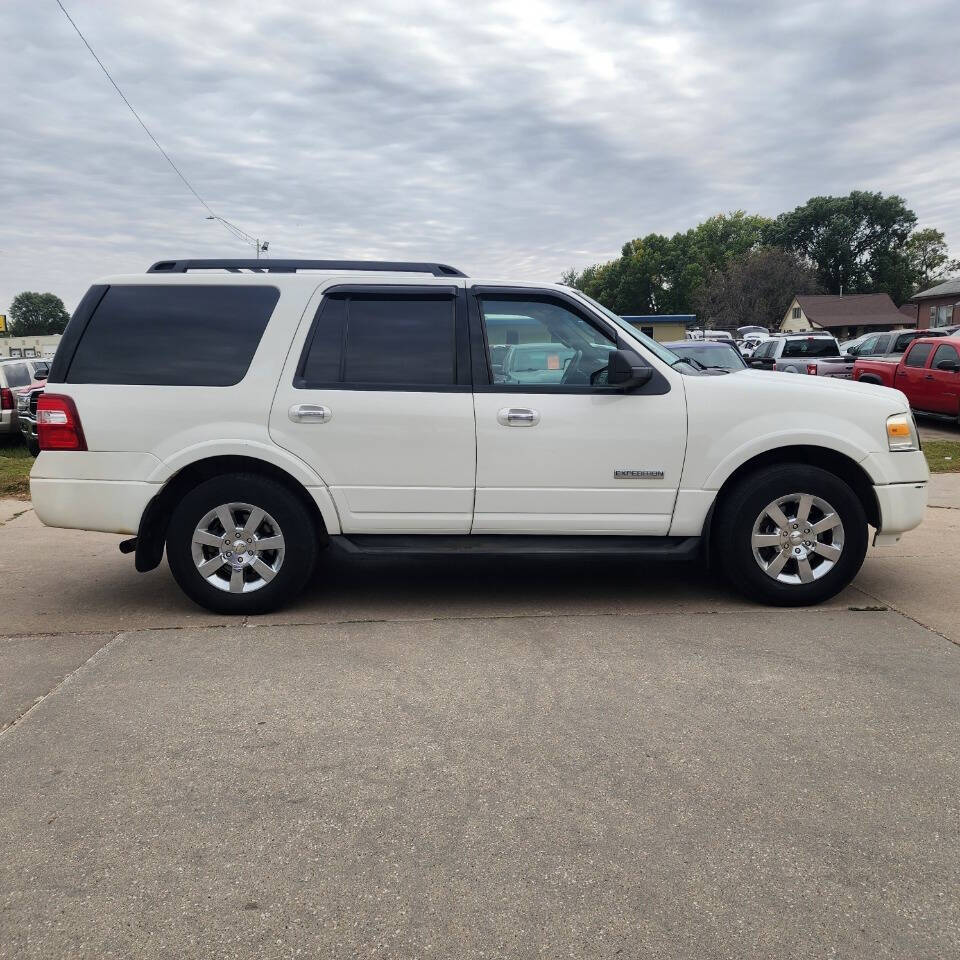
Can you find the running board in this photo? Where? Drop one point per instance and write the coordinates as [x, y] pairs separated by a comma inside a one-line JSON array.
[[498, 545]]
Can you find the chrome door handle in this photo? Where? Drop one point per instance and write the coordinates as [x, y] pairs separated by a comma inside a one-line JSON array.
[[518, 417], [309, 413]]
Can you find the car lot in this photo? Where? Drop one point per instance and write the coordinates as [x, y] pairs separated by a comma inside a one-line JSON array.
[[478, 758]]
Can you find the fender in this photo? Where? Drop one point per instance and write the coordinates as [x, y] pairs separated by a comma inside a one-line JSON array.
[[277, 456], [789, 438]]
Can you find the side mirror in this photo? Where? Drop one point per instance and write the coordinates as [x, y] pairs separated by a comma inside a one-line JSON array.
[[953, 366], [758, 362], [40, 376], [853, 354], [625, 370]]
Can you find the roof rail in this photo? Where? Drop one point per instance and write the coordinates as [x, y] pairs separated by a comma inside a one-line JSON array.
[[292, 266]]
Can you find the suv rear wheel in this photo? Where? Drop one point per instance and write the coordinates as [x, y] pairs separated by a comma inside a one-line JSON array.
[[790, 535], [241, 544]]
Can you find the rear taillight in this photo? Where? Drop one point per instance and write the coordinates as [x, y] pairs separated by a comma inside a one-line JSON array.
[[58, 423], [812, 369], [6, 398]]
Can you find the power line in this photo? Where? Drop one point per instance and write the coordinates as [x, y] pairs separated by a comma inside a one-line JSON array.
[[230, 227]]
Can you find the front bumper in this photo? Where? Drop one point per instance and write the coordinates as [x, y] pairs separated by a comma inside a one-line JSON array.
[[902, 506]]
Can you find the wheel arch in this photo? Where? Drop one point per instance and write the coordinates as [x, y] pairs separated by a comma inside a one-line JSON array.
[[156, 516], [826, 458]]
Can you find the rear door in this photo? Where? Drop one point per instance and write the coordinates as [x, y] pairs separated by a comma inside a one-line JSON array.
[[559, 452], [376, 397]]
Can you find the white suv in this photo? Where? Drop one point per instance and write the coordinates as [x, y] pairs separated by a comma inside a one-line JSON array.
[[245, 414]]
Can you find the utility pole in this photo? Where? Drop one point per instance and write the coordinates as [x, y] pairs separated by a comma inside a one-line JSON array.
[[262, 246]]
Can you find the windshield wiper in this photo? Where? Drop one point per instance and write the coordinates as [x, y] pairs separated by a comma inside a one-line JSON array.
[[693, 361]]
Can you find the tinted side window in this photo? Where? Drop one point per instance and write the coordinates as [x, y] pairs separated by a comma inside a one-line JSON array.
[[187, 335], [400, 340], [322, 361], [917, 357], [18, 374], [903, 341], [389, 339]]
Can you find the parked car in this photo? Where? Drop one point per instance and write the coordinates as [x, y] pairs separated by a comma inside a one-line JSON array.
[[847, 345], [14, 374], [816, 354], [889, 343], [928, 374], [718, 356], [753, 328], [244, 415], [750, 342]]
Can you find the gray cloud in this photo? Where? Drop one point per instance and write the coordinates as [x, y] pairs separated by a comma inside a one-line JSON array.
[[508, 138]]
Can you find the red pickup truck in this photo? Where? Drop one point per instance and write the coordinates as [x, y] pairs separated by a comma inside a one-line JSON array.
[[928, 373]]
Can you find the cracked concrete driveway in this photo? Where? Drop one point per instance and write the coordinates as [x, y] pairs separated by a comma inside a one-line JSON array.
[[479, 759]]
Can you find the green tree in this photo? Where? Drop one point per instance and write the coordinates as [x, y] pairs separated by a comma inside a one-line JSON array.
[[660, 274], [754, 288], [37, 314], [857, 243], [928, 258]]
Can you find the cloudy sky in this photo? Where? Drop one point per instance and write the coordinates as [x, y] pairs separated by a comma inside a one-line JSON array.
[[510, 139]]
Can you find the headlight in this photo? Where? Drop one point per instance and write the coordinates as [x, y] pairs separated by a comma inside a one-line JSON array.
[[902, 432]]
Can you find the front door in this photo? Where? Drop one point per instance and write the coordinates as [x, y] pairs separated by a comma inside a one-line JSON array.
[[944, 385], [911, 375], [558, 452], [376, 397]]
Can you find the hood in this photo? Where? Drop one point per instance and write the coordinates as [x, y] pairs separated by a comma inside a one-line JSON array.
[[792, 391]]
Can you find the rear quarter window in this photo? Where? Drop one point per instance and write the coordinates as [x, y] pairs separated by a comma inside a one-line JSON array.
[[183, 335]]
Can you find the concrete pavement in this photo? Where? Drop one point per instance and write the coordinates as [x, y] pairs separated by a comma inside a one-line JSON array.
[[478, 759]]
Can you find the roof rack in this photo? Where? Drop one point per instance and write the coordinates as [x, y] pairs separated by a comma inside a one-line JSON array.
[[292, 266]]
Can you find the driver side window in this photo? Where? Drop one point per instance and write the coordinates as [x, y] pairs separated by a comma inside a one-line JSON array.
[[541, 343]]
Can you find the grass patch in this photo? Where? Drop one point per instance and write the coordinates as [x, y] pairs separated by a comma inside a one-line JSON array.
[[943, 456], [15, 464]]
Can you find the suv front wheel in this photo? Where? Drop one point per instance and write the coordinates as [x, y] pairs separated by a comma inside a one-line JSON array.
[[790, 535], [241, 544]]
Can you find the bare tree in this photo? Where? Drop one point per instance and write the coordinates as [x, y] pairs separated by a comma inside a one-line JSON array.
[[754, 288]]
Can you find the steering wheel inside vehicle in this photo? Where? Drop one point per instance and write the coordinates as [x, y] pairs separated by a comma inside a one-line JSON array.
[[572, 372]]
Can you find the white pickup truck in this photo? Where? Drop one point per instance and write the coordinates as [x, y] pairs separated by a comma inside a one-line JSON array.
[[245, 414]]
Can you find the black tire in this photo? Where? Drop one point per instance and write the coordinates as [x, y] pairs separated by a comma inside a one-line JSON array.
[[33, 446], [297, 526], [739, 510]]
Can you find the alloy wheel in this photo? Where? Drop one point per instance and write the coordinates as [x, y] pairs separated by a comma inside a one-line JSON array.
[[797, 538], [237, 547]]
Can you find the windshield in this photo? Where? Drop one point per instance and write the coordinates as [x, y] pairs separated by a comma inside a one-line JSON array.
[[667, 356], [714, 357]]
